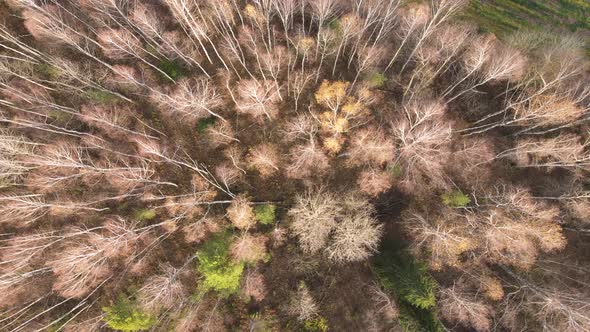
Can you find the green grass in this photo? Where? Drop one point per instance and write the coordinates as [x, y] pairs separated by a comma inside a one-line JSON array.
[[504, 17], [102, 97]]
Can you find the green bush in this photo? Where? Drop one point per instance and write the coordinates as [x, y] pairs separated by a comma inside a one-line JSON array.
[[145, 214], [319, 324], [455, 199], [265, 213], [220, 273], [377, 80], [125, 316]]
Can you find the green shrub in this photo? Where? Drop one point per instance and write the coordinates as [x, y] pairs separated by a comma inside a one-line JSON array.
[[124, 315], [220, 273], [319, 324], [377, 80], [145, 214], [455, 199], [265, 213]]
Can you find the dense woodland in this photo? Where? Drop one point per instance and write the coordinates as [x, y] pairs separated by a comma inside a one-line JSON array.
[[289, 165]]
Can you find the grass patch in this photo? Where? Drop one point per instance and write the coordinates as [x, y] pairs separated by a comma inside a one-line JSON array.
[[504, 17], [101, 97]]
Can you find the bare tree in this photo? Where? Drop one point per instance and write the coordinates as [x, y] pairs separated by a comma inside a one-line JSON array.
[[411, 19], [221, 133], [192, 20], [442, 237], [191, 98], [370, 146], [457, 305], [163, 291], [265, 159], [560, 151], [357, 234], [198, 230], [422, 139], [303, 305], [15, 149], [374, 182], [240, 213], [83, 265], [306, 160], [249, 248], [440, 12], [314, 216], [519, 243], [297, 83], [254, 286], [257, 99]]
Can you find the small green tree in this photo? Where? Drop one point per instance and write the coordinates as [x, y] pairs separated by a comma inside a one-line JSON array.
[[265, 213], [220, 273], [413, 288], [455, 199], [409, 280], [124, 315]]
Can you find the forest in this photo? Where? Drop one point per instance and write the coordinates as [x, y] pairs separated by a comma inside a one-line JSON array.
[[290, 165]]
